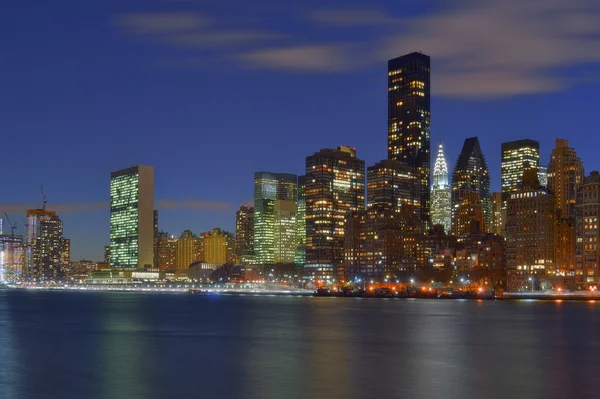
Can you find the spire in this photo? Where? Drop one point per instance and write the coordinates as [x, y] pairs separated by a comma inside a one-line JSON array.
[[440, 169]]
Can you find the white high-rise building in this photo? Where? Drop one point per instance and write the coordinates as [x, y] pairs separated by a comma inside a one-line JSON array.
[[441, 193]]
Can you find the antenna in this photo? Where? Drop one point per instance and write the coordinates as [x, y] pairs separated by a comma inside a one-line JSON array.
[[43, 197]]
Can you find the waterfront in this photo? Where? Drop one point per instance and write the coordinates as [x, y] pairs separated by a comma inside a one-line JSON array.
[[148, 345]]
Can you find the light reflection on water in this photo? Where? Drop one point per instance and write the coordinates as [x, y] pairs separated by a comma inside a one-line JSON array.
[[127, 345]]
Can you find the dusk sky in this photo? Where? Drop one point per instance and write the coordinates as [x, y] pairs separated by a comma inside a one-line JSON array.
[[208, 92]]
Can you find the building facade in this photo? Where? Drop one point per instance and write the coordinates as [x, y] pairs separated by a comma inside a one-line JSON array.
[[167, 251], [244, 231], [393, 184], [335, 186], [186, 250], [132, 217], [300, 257], [588, 230], [498, 214], [471, 175], [441, 193], [11, 258], [515, 155], [409, 116], [565, 176], [274, 212], [43, 245]]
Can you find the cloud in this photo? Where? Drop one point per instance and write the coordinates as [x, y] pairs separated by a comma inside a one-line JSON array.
[[20, 209], [219, 38], [162, 22], [193, 205], [479, 48], [300, 58], [352, 18]]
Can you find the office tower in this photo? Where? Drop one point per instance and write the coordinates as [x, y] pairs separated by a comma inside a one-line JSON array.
[[498, 214], [335, 186], [441, 193], [409, 113], [565, 175], [186, 250], [11, 257], [529, 233], [167, 251], [470, 218], [588, 229], [217, 248], [274, 217], [381, 243], [107, 254], [44, 244], [514, 156], [543, 175], [471, 175], [155, 240], [65, 254], [244, 231], [392, 184], [300, 257], [132, 217]]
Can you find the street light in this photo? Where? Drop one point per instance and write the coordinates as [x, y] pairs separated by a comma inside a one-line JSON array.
[[531, 280]]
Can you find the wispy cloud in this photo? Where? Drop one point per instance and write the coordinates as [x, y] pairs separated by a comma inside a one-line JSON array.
[[479, 48], [161, 22], [193, 205], [20, 209]]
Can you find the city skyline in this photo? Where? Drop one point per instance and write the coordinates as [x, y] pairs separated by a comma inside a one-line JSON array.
[[145, 100]]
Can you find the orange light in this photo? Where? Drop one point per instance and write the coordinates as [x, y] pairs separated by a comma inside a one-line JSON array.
[[480, 289], [559, 289]]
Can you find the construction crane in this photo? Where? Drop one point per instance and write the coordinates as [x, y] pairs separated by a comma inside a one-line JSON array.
[[12, 226], [44, 200]]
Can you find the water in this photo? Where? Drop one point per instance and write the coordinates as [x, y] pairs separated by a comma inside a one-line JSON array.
[[134, 345]]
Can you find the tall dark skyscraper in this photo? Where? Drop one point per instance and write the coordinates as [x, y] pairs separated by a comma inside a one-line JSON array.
[[409, 114], [471, 175]]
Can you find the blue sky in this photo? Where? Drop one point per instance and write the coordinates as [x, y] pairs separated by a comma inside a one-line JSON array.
[[208, 92]]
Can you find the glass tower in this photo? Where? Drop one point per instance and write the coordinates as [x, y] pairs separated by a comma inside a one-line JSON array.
[[275, 217], [409, 114], [44, 243], [515, 155], [132, 217], [471, 175], [441, 209], [300, 258], [392, 184]]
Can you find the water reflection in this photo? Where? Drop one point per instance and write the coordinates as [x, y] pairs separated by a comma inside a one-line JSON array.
[[9, 359], [123, 350]]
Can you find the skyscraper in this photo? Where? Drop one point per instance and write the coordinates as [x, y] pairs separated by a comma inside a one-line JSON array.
[[565, 176], [588, 229], [529, 233], [514, 156], [471, 175], [132, 217], [498, 214], [167, 251], [44, 245], [469, 217], [11, 257], [217, 246], [409, 113], [335, 186], [300, 258], [441, 193], [274, 217], [392, 184], [543, 175], [244, 231]]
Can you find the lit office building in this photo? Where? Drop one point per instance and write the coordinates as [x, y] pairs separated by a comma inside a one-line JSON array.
[[132, 217], [244, 231], [543, 176], [392, 184], [588, 230], [565, 176], [409, 114], [300, 257], [274, 217], [43, 245], [218, 247], [498, 214], [471, 175], [529, 234], [470, 218], [441, 193], [166, 248], [335, 186], [515, 155]]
